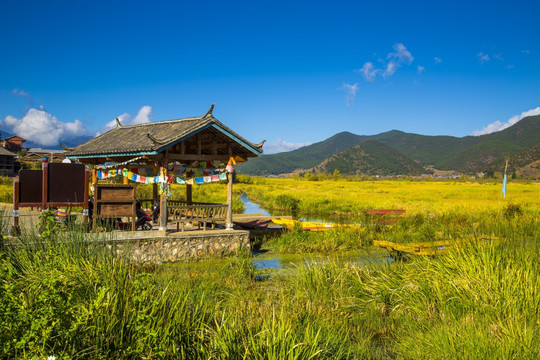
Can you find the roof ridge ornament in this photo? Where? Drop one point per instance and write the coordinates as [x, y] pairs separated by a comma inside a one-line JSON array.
[[209, 112], [66, 148], [156, 141], [118, 123]]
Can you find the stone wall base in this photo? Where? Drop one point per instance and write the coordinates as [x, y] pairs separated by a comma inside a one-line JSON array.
[[177, 246]]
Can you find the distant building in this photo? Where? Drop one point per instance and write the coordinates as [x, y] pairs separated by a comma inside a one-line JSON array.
[[36, 154], [8, 167], [13, 143]]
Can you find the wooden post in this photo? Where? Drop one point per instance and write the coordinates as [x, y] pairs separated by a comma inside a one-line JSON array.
[[163, 197], [189, 194], [44, 184], [228, 221], [154, 193], [86, 197], [16, 187], [155, 187], [94, 194]]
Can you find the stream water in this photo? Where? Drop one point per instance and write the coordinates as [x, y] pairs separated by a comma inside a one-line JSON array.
[[272, 264], [251, 207]]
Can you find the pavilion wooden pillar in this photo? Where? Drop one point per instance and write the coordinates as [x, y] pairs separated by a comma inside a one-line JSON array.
[[189, 194], [163, 197], [228, 221], [16, 204], [154, 193], [86, 207], [155, 188], [94, 210]]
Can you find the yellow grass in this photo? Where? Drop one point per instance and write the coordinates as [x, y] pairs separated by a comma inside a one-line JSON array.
[[414, 196]]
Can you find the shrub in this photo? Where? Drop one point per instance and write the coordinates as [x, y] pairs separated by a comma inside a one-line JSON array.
[[512, 210], [287, 203]]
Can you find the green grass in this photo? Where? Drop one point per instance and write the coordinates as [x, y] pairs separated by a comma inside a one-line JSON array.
[[70, 298]]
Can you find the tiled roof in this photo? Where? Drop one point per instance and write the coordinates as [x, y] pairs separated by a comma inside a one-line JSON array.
[[5, 152], [154, 137]]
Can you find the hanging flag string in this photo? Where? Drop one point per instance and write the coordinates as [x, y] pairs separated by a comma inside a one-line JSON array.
[[183, 175], [116, 165]]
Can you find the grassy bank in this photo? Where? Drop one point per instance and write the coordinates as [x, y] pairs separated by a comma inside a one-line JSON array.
[[71, 299], [64, 297]]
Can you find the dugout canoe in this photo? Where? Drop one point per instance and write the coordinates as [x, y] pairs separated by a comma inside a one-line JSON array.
[[309, 225]]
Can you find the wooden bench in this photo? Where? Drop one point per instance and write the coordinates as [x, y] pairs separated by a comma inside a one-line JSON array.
[[200, 213]]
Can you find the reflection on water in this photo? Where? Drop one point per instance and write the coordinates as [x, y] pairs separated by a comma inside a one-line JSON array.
[[269, 264], [251, 207]]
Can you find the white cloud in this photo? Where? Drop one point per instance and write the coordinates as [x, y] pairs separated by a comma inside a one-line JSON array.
[[350, 90], [20, 92], [395, 59], [482, 57], [281, 146], [401, 53], [369, 71], [391, 68], [143, 116], [420, 69], [43, 128], [526, 51], [437, 60], [498, 126]]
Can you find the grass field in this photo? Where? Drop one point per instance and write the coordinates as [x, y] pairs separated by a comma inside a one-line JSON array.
[[66, 298], [348, 198]]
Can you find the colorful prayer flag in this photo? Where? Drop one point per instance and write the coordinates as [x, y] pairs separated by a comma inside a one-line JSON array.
[[504, 186]]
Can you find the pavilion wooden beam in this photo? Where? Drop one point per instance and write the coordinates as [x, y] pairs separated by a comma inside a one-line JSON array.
[[194, 157]]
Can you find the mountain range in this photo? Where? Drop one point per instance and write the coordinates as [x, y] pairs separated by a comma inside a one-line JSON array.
[[397, 152]]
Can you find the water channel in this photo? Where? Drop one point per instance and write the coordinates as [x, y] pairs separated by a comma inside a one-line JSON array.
[[272, 264]]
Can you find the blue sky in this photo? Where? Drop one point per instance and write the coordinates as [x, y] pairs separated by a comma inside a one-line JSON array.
[[290, 72]]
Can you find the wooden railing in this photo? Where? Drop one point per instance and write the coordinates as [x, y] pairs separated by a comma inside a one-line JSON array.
[[180, 213], [200, 213]]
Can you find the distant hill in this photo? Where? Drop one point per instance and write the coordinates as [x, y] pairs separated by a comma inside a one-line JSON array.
[[305, 157], [526, 162], [467, 154], [370, 157]]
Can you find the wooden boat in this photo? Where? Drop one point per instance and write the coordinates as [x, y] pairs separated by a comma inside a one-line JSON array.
[[309, 225], [259, 224], [259, 228]]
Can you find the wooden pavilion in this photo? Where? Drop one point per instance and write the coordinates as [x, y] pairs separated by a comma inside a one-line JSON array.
[[164, 143]]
